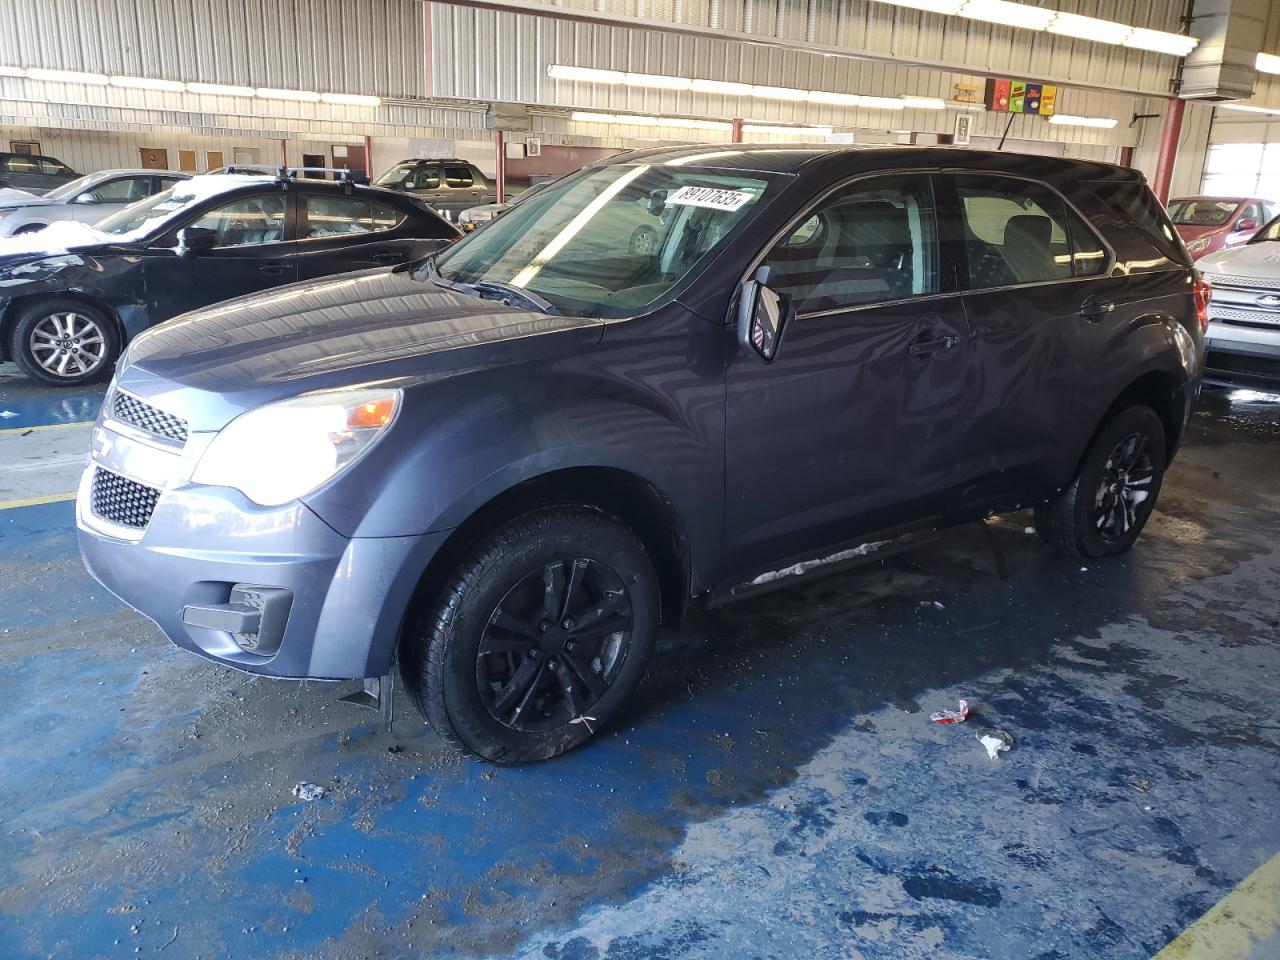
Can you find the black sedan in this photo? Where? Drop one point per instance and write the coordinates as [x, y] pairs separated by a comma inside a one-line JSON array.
[[72, 296]]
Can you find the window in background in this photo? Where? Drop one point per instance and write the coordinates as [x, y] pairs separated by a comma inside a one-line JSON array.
[[1243, 170]]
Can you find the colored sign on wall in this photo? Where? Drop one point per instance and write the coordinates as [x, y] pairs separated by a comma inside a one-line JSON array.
[[1020, 96]]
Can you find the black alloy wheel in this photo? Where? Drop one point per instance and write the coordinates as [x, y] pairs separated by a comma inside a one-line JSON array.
[[1125, 485]]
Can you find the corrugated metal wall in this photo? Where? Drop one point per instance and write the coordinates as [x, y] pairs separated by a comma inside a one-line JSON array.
[[495, 55], [863, 27], [371, 47]]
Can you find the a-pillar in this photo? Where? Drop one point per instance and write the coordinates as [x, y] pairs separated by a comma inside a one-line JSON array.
[[1170, 131]]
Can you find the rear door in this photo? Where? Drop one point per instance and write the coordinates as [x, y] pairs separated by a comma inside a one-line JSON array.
[[854, 428], [338, 233], [254, 251], [1041, 308]]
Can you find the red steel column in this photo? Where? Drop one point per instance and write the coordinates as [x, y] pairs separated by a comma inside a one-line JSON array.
[[368, 157], [500, 139], [1170, 130], [284, 153], [737, 130]]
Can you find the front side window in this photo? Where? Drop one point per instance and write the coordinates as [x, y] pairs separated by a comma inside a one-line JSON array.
[[246, 222], [610, 240], [1020, 232], [338, 216], [53, 168], [1269, 233], [123, 190], [870, 242]]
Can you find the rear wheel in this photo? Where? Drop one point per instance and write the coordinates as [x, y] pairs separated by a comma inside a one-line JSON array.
[[539, 637], [1114, 492], [65, 342]]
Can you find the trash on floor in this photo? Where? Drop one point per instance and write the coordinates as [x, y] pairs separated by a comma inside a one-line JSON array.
[[951, 716], [996, 741], [308, 791]]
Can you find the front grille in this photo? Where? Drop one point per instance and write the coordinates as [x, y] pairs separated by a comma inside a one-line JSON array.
[[129, 409], [1249, 283], [1261, 368], [120, 500], [1263, 318]]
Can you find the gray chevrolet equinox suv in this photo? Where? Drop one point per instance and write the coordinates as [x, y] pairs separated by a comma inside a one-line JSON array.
[[505, 466]]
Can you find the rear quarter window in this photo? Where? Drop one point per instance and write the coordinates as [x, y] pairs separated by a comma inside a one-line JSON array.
[[1136, 207]]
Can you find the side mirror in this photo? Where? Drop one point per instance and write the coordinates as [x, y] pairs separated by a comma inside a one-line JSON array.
[[1242, 225], [86, 197], [763, 315], [192, 240]]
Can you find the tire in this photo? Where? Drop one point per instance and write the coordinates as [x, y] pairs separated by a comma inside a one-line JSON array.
[[548, 678], [84, 334], [643, 241], [1106, 505]]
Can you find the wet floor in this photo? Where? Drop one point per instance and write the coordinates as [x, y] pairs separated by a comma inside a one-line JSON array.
[[777, 789]]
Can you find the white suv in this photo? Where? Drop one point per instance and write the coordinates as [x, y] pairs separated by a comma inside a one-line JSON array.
[[1244, 313]]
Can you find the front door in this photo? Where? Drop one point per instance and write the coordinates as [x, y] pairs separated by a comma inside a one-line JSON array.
[[1041, 309], [252, 252], [854, 428]]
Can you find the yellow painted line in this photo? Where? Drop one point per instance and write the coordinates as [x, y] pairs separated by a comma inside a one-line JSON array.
[[1236, 925], [36, 501], [47, 426]]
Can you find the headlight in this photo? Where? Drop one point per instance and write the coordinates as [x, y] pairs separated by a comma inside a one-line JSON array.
[[283, 451], [1198, 244]]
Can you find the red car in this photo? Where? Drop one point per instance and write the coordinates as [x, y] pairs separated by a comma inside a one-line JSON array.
[[1210, 224]]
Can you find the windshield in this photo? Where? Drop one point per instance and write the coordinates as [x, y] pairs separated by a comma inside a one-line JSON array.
[[139, 218], [397, 174], [1270, 232], [1202, 213], [73, 187], [610, 240]]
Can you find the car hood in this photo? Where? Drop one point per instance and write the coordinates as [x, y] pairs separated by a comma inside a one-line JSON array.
[[1255, 260], [1189, 231], [13, 199], [376, 325]]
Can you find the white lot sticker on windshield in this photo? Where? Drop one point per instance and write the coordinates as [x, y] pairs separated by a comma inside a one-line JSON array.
[[710, 197]]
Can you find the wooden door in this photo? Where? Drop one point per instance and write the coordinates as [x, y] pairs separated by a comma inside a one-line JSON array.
[[213, 160], [187, 161]]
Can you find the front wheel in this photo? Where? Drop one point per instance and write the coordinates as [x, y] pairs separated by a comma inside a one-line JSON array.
[[64, 342], [539, 637], [1114, 492]]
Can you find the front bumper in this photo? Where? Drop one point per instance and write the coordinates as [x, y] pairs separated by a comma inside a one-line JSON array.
[[1246, 356], [346, 597]]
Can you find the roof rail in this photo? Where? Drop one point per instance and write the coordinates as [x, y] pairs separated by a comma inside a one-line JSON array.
[[283, 175]]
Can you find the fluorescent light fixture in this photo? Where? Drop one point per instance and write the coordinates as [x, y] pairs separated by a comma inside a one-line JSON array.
[[1266, 62], [882, 103], [1157, 41], [924, 103], [835, 99], [1090, 28], [786, 131], [778, 93], [656, 81], [1007, 14], [13, 72], [220, 89], [930, 6], [1247, 108], [1104, 123], [147, 83], [66, 76], [351, 99], [560, 71], [270, 93], [681, 123], [583, 116], [722, 86]]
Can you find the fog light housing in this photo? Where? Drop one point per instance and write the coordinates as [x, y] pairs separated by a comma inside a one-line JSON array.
[[254, 616]]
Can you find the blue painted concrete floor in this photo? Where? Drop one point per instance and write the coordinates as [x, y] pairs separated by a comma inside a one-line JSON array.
[[777, 790]]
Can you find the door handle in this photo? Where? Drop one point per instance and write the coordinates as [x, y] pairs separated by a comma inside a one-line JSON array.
[[1094, 309], [273, 269], [926, 345]]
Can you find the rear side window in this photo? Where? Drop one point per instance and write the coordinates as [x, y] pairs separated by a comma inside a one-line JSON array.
[[1020, 232], [20, 165], [873, 241], [458, 176], [338, 216], [1140, 209]]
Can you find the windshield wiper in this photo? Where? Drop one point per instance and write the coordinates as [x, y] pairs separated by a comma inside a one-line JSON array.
[[507, 292]]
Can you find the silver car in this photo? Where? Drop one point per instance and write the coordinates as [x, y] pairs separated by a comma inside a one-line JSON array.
[[1244, 312], [87, 199]]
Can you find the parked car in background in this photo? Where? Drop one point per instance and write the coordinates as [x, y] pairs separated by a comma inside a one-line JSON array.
[[473, 217], [1210, 224], [72, 296], [447, 186], [1244, 313], [506, 467], [34, 173], [86, 199]]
